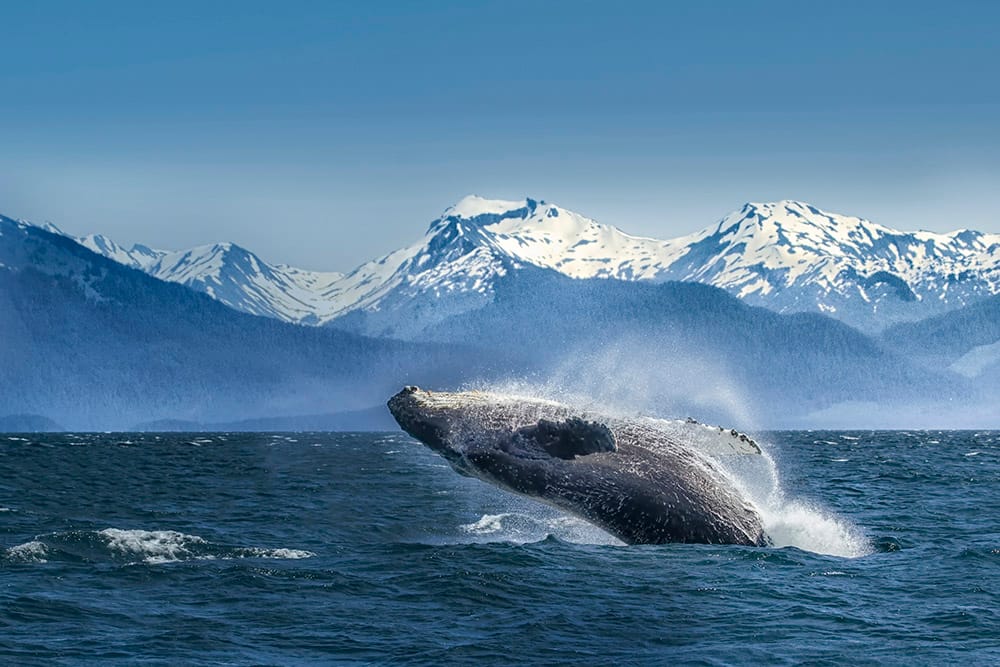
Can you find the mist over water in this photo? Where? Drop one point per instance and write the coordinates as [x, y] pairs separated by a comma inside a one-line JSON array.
[[669, 379]]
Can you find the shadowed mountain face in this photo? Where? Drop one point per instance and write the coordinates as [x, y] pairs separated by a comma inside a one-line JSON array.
[[684, 348], [96, 345], [967, 341]]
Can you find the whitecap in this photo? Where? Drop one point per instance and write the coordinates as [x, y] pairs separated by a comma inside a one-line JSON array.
[[280, 554], [167, 546], [29, 552], [152, 546]]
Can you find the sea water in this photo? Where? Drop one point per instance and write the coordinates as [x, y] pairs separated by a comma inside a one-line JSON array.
[[318, 548]]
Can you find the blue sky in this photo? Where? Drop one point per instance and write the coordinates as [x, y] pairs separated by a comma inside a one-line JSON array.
[[322, 134]]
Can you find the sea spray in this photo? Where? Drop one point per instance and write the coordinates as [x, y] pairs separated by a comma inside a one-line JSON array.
[[790, 521]]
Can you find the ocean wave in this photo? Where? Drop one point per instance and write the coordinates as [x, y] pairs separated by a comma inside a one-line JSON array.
[[135, 546]]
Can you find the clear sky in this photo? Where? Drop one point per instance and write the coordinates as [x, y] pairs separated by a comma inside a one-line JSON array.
[[322, 134]]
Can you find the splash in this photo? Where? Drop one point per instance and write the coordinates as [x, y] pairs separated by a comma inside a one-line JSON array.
[[792, 522], [629, 376], [530, 524]]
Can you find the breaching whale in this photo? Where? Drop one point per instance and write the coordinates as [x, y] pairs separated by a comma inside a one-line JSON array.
[[645, 481]]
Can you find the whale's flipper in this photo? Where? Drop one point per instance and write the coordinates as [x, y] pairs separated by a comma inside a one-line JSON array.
[[569, 438], [711, 440]]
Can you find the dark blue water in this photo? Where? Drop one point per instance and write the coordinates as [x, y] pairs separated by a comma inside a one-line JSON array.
[[362, 548]]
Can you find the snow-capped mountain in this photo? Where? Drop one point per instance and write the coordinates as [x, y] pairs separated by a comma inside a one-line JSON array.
[[229, 273], [788, 256], [242, 280]]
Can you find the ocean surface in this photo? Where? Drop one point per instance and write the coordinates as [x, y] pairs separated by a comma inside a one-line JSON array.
[[318, 548]]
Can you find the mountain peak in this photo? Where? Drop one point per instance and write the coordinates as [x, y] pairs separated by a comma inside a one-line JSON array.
[[789, 215], [782, 206], [474, 206]]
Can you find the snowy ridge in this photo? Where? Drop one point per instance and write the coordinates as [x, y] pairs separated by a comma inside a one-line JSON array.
[[225, 271], [241, 280], [788, 256]]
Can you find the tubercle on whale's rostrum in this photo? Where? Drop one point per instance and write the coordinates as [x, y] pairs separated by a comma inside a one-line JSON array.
[[643, 480]]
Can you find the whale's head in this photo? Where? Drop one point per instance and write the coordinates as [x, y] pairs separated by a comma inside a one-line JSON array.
[[430, 417]]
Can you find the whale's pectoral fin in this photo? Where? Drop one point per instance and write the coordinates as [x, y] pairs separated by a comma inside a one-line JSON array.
[[570, 438]]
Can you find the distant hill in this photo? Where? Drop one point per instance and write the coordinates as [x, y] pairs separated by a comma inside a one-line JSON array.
[[28, 424], [372, 419], [966, 340]]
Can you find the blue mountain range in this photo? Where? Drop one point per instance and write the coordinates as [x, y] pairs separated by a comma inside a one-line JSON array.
[[522, 294]]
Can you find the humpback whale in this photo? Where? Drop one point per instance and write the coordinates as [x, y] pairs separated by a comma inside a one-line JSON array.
[[645, 481]]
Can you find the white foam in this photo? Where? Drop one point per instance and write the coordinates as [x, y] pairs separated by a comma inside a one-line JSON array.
[[280, 554], [29, 552], [153, 546], [167, 546], [810, 528], [487, 524], [791, 522], [524, 528]]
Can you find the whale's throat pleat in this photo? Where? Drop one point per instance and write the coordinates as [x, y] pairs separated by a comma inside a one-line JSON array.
[[569, 438]]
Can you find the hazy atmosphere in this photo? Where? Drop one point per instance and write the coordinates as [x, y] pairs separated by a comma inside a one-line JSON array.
[[328, 135]]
